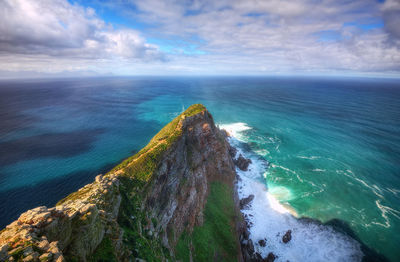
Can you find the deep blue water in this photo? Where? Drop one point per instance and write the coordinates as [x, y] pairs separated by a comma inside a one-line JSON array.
[[333, 145]]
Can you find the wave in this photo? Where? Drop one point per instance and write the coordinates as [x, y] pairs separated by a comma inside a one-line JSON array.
[[271, 217], [236, 129]]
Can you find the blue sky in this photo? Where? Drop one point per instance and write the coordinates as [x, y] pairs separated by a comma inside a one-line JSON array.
[[200, 37]]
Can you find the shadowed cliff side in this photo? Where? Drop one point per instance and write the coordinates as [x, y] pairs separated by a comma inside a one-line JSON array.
[[174, 199]]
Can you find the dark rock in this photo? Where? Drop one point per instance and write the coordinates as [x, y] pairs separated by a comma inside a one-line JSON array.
[[250, 246], [245, 201], [262, 242], [242, 163], [258, 257], [232, 151], [287, 237], [270, 258], [246, 255], [246, 234]]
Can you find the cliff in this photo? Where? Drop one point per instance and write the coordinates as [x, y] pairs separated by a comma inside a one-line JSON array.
[[174, 200]]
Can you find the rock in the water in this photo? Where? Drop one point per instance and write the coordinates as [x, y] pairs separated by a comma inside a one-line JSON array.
[[245, 201], [262, 242], [242, 163], [270, 258], [287, 237]]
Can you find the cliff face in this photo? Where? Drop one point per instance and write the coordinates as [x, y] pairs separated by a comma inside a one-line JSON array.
[[174, 200]]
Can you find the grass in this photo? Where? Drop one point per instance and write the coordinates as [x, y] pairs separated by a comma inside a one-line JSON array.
[[182, 249], [104, 252], [215, 239]]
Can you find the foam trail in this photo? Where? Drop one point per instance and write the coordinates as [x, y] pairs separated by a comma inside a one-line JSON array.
[[270, 219]]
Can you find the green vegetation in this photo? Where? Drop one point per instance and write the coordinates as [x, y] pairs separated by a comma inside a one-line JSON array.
[[18, 254], [194, 110], [135, 222], [75, 195], [182, 249], [104, 252], [216, 237], [143, 164]]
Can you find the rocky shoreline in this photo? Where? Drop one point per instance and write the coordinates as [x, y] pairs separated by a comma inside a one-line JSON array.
[[247, 245]]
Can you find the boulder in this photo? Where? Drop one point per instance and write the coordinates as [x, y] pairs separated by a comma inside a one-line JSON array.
[[270, 258], [287, 236], [245, 201], [242, 163], [262, 242]]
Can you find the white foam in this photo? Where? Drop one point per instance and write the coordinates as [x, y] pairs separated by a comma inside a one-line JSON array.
[[270, 219], [236, 129]]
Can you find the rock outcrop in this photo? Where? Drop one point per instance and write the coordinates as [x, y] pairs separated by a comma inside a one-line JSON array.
[[244, 202], [242, 163], [173, 200]]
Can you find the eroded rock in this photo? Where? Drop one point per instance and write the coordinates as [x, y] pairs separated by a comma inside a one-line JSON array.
[[246, 201], [262, 242], [287, 236], [242, 163], [270, 258]]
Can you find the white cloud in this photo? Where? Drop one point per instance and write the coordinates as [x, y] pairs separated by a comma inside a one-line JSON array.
[[282, 35], [234, 37], [55, 29]]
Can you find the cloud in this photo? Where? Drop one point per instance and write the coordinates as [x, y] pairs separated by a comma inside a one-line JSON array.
[[391, 17], [282, 35], [56, 28], [214, 37]]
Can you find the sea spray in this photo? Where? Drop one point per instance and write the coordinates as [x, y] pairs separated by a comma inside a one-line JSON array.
[[269, 219]]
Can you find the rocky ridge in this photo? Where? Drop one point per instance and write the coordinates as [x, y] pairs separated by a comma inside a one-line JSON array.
[[174, 200]]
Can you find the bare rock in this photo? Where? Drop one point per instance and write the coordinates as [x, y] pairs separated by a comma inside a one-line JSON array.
[[3, 251], [245, 201], [246, 234], [270, 258], [262, 242], [232, 151], [287, 236], [250, 246], [242, 163], [46, 257]]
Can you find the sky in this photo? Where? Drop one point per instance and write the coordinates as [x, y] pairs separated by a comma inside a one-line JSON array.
[[199, 37]]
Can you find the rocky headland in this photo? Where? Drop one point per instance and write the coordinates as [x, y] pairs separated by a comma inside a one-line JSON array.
[[175, 200]]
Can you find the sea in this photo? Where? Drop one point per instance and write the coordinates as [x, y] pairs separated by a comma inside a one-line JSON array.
[[325, 151]]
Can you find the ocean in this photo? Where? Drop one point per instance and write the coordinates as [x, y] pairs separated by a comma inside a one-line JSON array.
[[325, 151]]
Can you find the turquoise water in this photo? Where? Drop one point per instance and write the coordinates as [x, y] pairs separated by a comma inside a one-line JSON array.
[[332, 147]]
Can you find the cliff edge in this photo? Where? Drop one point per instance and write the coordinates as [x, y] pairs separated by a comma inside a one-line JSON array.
[[173, 200]]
